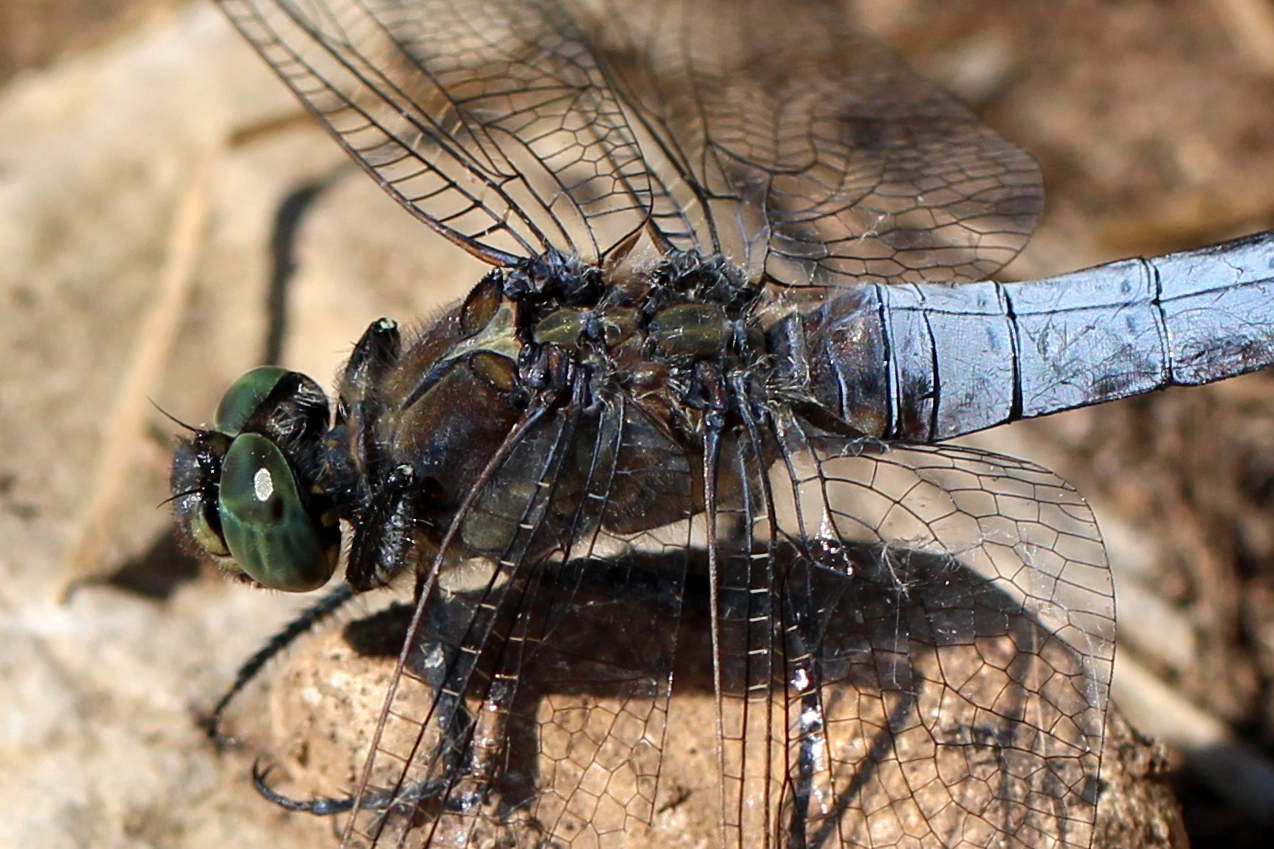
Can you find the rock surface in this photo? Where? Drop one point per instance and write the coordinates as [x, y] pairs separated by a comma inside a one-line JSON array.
[[1148, 146]]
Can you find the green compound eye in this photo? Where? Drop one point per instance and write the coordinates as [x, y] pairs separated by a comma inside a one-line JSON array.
[[270, 535], [244, 396]]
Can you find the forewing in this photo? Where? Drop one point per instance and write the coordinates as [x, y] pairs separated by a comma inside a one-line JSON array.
[[488, 119], [533, 702], [768, 131], [810, 152]]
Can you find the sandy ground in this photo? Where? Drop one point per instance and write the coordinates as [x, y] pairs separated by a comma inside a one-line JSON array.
[[1153, 124]]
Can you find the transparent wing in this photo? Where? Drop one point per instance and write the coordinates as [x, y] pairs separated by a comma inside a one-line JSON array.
[[816, 154], [488, 119], [874, 645], [768, 131], [941, 625], [534, 702]]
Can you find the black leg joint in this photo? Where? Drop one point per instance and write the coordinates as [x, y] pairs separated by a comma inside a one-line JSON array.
[[386, 534]]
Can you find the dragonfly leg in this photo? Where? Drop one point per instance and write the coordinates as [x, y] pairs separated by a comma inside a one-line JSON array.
[[805, 674], [373, 354], [312, 616], [430, 662], [405, 801], [323, 807], [382, 548]]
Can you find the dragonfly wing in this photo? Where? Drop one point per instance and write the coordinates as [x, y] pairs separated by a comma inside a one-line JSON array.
[[533, 702], [884, 645], [772, 133], [812, 153], [923, 658], [489, 120]]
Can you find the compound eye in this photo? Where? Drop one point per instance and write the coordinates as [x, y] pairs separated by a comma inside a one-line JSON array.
[[264, 521], [244, 396], [204, 527]]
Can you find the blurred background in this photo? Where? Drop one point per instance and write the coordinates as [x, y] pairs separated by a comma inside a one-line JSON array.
[[1153, 121]]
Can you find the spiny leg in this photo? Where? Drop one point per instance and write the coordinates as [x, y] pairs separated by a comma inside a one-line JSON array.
[[454, 720], [312, 616]]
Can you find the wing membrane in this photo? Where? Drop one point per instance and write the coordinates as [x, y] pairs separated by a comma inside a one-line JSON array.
[[921, 658], [964, 652], [905, 646], [821, 157], [489, 120], [770, 132], [544, 709]]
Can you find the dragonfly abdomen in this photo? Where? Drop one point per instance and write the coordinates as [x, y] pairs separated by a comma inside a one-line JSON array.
[[926, 362]]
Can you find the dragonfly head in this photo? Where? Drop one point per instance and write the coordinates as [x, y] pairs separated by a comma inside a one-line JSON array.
[[246, 491]]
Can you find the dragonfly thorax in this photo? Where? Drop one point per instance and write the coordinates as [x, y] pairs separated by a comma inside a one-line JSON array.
[[657, 354]]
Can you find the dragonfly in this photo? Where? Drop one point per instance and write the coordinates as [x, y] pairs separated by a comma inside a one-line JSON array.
[[687, 437]]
